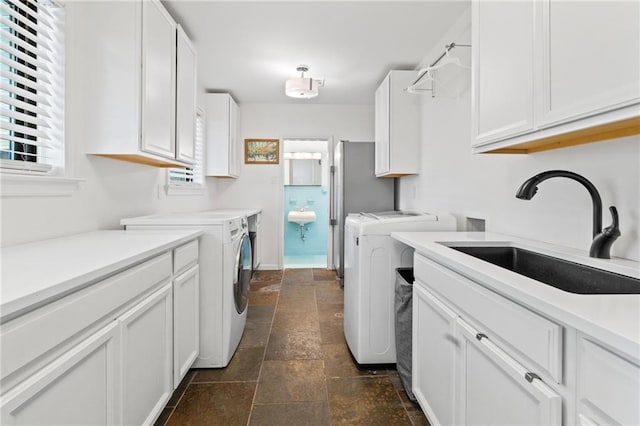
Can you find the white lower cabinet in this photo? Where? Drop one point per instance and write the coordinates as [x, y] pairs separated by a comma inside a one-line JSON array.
[[147, 349], [186, 317], [608, 386], [80, 387], [104, 355], [434, 354], [496, 390]]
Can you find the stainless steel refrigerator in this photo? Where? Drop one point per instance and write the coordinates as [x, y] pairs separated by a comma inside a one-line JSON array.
[[355, 189]]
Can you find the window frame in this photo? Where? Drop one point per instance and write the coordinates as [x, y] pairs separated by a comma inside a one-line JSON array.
[[197, 186]]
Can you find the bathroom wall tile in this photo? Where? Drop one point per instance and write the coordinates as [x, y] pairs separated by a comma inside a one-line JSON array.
[[291, 381], [227, 404], [298, 414]]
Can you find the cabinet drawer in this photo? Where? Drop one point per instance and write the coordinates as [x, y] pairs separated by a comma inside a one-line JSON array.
[[32, 335], [185, 256], [536, 340]]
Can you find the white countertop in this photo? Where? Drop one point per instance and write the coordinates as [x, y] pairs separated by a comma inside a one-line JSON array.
[[208, 217], [40, 272], [611, 318]]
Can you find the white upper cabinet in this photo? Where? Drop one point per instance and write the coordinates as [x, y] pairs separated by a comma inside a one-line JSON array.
[[186, 79], [397, 126], [222, 144], [549, 74], [121, 82], [158, 80], [593, 67], [503, 69]]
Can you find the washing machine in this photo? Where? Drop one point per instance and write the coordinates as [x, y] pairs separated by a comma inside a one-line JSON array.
[[371, 258], [225, 272]]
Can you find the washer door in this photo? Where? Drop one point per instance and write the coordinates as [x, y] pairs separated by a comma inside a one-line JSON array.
[[242, 275]]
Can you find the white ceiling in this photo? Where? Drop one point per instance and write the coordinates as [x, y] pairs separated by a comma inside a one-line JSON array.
[[249, 48]]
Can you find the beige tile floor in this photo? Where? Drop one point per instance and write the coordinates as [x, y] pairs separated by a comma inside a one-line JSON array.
[[293, 366]]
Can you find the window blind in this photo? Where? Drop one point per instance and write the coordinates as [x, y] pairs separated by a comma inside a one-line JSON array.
[[31, 85], [195, 175]]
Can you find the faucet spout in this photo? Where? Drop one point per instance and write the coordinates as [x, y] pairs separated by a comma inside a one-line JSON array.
[[529, 188], [602, 239]]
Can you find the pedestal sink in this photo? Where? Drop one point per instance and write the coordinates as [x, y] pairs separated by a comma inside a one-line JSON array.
[[301, 217]]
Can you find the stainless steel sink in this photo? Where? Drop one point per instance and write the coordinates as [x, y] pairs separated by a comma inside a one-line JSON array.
[[559, 273]]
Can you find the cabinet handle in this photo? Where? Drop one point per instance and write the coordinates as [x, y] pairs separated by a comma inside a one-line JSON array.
[[530, 376], [479, 336]]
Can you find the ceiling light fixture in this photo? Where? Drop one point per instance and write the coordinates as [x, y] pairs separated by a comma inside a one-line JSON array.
[[303, 87]]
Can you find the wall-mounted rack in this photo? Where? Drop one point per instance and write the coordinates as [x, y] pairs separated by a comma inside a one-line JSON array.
[[438, 63]]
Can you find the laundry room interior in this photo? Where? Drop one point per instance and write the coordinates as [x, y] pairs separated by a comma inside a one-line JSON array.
[[320, 212]]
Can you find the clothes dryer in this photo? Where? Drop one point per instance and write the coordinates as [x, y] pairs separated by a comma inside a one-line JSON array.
[[225, 273], [371, 258]]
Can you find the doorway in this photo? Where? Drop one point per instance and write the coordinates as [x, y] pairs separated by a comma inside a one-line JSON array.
[[306, 203]]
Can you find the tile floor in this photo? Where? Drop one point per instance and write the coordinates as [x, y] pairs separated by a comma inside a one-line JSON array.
[[305, 261], [292, 366]]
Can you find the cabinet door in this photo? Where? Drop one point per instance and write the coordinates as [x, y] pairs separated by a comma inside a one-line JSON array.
[[158, 80], [503, 69], [79, 388], [186, 314], [234, 143], [382, 128], [494, 390], [147, 348], [608, 390], [434, 354], [185, 98], [591, 57]]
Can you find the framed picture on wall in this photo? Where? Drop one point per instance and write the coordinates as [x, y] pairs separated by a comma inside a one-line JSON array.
[[262, 151]]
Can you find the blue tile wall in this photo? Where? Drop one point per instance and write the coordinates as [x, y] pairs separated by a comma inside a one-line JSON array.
[[315, 198]]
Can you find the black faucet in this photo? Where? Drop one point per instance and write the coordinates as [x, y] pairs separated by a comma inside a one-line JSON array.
[[602, 239]]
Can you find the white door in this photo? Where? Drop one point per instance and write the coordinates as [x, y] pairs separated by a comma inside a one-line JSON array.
[[503, 69], [147, 348], [497, 390], [158, 80], [79, 388], [186, 314], [591, 57], [434, 355], [185, 98]]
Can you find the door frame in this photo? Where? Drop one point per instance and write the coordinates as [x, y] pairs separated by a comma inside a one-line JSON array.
[[325, 168]]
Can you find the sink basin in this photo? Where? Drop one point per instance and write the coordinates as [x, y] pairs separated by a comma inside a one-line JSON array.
[[558, 273], [301, 218]]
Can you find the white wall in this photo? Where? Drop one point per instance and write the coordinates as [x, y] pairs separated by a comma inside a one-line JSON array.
[[262, 185], [112, 190], [484, 185]]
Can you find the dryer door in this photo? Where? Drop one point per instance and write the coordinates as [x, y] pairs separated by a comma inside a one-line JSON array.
[[242, 275]]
